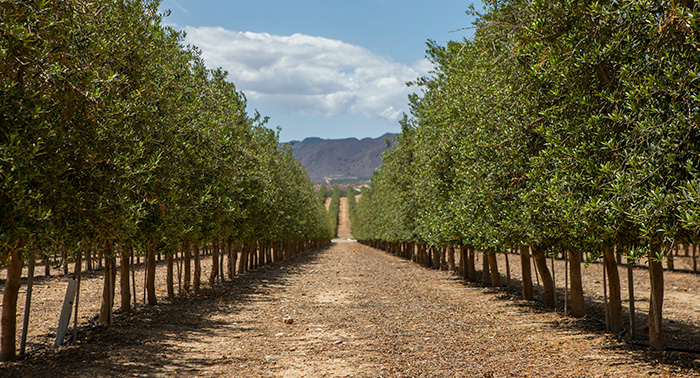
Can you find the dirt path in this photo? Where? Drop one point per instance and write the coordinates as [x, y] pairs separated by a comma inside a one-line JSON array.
[[344, 220], [357, 312]]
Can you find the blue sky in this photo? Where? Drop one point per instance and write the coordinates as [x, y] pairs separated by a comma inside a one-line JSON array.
[[331, 69]]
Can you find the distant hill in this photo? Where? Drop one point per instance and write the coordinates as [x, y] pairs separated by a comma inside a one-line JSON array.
[[340, 160]]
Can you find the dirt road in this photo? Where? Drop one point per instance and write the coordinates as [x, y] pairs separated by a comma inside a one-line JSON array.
[[345, 311], [355, 312], [344, 229]]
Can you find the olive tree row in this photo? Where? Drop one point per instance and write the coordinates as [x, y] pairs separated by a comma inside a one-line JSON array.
[[559, 126], [113, 132], [334, 210]]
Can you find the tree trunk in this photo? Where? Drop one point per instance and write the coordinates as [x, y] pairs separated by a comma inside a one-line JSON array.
[[178, 265], [234, 258], [88, 259], [214, 262], [485, 271], [187, 261], [493, 268], [669, 261], [197, 269], [451, 258], [169, 277], [554, 279], [257, 255], [428, 256], [47, 265], [463, 261], [547, 282], [578, 304], [253, 257], [471, 264], [229, 256], [64, 260], [28, 302], [615, 300], [656, 301], [126, 251], [78, 278], [222, 249], [151, 275], [244, 257], [133, 276], [105, 317], [442, 252], [508, 283], [526, 272], [250, 251], [630, 291]]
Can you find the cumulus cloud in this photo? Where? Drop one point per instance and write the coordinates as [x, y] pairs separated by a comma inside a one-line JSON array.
[[308, 75]]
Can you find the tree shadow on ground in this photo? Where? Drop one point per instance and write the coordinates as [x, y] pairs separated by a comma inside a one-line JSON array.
[[679, 336], [137, 344]]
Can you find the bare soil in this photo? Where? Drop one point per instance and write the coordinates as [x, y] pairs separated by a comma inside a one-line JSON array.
[[344, 231], [356, 312], [681, 298], [353, 311]]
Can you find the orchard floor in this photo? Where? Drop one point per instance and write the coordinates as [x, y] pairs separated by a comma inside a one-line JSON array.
[[356, 312]]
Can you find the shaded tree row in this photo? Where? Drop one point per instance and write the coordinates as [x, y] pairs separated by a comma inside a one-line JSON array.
[[114, 133], [561, 126], [334, 210]]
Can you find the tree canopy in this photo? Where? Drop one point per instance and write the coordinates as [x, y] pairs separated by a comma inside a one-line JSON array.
[[564, 124]]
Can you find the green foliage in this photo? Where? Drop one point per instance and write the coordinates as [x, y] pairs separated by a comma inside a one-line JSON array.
[[560, 124], [352, 206], [334, 210], [111, 130], [384, 213], [322, 194], [352, 200]]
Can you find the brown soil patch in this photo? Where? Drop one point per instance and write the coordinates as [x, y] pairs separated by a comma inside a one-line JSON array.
[[681, 298], [344, 231], [357, 312]]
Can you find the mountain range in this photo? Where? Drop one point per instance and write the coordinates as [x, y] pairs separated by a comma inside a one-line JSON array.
[[338, 160]]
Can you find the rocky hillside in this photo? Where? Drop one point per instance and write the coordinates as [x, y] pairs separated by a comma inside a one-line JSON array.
[[340, 159]]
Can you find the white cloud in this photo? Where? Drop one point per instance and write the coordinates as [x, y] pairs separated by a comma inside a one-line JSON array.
[[306, 74]]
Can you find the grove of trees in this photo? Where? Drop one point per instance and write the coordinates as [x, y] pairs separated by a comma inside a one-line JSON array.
[[561, 126], [116, 137], [334, 210]]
